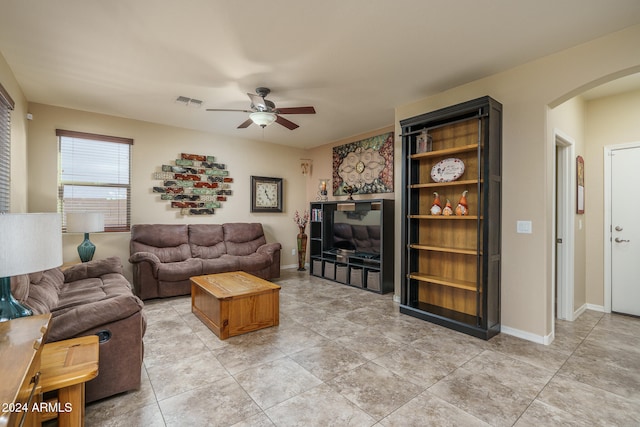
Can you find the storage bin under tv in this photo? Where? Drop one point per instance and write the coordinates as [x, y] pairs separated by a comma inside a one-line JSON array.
[[351, 242]]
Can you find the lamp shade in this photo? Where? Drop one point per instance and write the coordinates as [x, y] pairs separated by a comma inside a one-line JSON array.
[[30, 243], [262, 118], [85, 222]]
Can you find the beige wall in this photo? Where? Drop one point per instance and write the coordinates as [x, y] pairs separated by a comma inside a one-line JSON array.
[[609, 121], [155, 145], [18, 139], [568, 120], [526, 93]]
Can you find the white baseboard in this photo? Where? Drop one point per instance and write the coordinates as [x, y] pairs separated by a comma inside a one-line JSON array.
[[579, 311], [594, 307], [291, 266], [539, 339]]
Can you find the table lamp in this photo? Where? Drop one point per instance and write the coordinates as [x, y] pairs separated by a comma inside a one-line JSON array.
[[85, 222], [30, 243]]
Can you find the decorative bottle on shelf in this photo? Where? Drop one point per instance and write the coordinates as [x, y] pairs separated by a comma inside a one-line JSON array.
[[462, 208], [436, 208], [448, 210]]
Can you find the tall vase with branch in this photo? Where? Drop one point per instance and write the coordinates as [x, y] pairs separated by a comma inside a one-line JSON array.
[[301, 221]]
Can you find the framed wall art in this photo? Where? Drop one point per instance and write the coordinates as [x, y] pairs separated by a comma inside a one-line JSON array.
[[266, 194], [364, 167], [579, 185]]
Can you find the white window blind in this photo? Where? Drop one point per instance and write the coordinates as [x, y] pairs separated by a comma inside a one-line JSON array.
[[6, 105], [95, 177]]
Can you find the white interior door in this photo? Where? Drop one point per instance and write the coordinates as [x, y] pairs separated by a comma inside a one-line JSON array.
[[625, 230]]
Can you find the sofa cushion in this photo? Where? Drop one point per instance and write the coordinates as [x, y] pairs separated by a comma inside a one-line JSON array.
[[169, 242], [43, 291], [243, 238], [183, 270], [95, 268], [248, 263], [223, 264], [206, 241]]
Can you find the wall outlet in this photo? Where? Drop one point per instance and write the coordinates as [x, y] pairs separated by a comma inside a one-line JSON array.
[[293, 251]]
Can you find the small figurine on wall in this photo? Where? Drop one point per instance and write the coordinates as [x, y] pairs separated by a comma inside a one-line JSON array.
[[436, 208], [462, 208]]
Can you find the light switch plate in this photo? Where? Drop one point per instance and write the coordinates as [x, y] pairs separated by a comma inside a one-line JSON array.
[[524, 227]]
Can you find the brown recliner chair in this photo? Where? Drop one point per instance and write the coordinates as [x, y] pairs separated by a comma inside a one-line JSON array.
[[92, 298]]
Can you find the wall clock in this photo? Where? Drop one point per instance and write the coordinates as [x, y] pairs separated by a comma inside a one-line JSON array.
[[266, 194]]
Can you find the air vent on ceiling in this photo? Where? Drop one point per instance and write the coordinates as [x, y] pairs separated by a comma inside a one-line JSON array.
[[189, 102]]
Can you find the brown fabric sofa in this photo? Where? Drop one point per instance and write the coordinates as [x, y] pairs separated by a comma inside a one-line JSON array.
[[92, 298], [165, 256]]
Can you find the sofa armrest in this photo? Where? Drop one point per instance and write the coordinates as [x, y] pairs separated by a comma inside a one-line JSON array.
[[72, 322], [92, 269], [269, 248], [149, 257]]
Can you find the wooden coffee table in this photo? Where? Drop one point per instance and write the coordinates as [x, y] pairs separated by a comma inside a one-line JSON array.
[[235, 303]]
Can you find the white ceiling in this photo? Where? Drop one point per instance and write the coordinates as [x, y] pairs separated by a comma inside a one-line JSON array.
[[354, 60]]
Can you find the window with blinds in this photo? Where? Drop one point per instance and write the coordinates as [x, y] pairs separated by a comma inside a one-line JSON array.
[[94, 176], [6, 105]]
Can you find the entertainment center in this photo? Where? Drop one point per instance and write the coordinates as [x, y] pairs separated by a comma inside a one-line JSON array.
[[351, 242]]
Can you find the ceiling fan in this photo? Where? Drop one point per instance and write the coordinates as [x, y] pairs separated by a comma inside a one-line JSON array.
[[264, 112]]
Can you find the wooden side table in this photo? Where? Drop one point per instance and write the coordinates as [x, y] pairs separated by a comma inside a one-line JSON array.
[[66, 366], [20, 355]]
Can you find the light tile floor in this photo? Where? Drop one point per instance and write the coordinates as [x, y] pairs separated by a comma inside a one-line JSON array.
[[346, 357]]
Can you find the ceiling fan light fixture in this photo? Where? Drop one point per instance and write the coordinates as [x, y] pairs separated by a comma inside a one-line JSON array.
[[262, 118]]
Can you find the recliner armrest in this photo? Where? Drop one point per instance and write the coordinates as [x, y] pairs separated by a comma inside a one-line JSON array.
[[149, 257], [73, 321], [269, 248]]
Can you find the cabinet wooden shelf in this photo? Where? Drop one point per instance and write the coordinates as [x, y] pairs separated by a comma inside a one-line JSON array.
[[467, 286], [451, 264], [446, 151], [446, 218], [443, 249], [445, 184]]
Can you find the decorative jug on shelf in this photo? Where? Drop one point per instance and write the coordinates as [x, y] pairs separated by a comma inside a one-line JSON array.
[[462, 208], [436, 207]]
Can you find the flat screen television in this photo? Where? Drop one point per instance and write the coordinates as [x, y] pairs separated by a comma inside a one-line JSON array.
[[357, 231]]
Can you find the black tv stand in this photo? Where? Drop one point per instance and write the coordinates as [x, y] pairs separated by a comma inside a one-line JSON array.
[[351, 242]]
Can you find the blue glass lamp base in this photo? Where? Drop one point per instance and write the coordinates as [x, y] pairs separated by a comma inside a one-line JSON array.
[[10, 308], [86, 249]]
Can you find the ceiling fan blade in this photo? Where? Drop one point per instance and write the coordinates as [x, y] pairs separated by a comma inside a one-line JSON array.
[[226, 109], [258, 101], [297, 110], [286, 123], [245, 124]]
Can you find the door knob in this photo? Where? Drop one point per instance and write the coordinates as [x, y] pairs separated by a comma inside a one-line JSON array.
[[618, 228], [619, 240]]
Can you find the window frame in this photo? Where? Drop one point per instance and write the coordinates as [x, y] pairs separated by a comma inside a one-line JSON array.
[[6, 106], [60, 133]]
